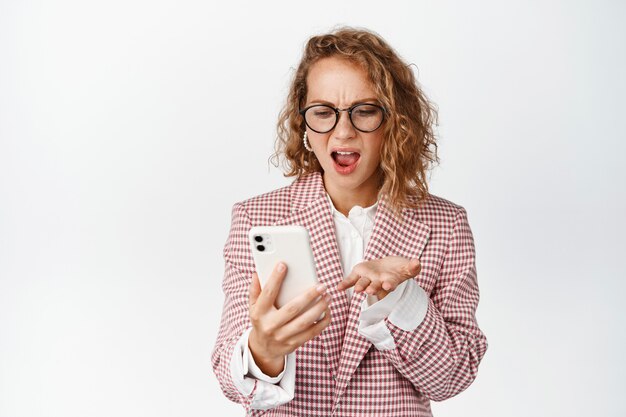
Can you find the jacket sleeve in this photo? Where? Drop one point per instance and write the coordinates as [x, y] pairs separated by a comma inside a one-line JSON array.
[[440, 357], [228, 358], [238, 269]]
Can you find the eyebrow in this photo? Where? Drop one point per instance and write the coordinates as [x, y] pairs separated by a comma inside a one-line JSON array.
[[359, 101]]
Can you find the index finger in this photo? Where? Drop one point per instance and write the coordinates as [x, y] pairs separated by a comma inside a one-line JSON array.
[[270, 290], [349, 281]]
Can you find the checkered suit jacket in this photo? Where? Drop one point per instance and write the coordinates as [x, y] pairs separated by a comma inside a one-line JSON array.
[[339, 372]]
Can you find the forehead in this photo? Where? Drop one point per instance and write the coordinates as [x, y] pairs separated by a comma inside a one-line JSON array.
[[337, 79]]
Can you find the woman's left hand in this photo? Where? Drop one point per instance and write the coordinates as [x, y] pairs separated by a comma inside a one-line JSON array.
[[380, 276]]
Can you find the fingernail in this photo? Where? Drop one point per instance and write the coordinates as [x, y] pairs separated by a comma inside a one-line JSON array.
[[321, 288], [281, 267], [328, 297]]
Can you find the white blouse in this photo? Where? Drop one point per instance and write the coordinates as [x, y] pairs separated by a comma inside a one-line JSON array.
[[405, 307]]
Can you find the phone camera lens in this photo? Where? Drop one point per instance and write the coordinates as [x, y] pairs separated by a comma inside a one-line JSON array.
[[260, 248], [258, 238]]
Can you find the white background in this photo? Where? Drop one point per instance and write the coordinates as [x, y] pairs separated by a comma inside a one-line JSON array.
[[129, 128]]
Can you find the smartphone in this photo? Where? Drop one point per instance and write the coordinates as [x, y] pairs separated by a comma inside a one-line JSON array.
[[290, 245]]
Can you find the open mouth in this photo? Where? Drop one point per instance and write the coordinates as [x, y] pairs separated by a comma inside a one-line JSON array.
[[345, 159]]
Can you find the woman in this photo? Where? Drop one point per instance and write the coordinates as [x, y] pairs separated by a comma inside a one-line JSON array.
[[395, 263]]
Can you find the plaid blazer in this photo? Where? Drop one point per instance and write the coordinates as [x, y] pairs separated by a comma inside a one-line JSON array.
[[340, 373]]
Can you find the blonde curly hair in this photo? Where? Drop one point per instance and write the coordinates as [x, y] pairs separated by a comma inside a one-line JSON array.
[[409, 147]]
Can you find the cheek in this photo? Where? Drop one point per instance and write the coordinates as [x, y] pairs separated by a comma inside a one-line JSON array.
[[318, 143], [375, 148]]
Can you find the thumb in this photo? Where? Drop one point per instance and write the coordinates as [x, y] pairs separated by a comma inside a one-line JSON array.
[[413, 267], [255, 289]]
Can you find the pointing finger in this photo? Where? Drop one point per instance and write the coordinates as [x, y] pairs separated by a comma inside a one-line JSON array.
[[349, 281]]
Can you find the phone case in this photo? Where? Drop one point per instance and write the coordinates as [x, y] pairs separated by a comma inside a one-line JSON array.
[[288, 244]]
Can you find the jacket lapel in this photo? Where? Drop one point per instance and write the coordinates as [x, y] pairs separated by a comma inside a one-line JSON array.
[[390, 237], [310, 208]]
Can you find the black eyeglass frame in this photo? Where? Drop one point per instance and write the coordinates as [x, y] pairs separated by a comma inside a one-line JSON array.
[[349, 110]]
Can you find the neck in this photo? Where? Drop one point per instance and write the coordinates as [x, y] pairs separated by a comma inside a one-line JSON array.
[[344, 199]]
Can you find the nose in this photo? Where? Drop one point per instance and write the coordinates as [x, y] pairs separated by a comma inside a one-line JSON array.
[[344, 128]]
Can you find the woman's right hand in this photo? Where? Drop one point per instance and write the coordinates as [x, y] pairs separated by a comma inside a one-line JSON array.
[[277, 332]]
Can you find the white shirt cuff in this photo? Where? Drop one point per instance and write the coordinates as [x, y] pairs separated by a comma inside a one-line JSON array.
[[380, 310], [411, 309], [378, 334], [268, 394], [405, 307]]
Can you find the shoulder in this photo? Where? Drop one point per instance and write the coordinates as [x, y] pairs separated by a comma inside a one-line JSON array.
[[437, 211], [260, 210], [266, 208]]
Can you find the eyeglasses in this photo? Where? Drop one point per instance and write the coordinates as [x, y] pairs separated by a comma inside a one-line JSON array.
[[322, 118]]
